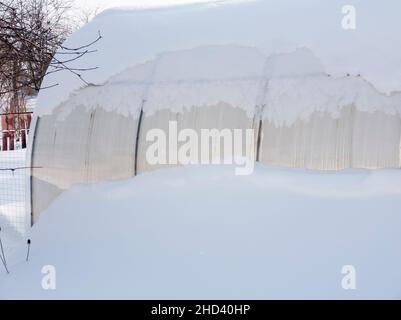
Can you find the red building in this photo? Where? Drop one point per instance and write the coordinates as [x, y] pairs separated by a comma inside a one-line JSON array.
[[14, 128]]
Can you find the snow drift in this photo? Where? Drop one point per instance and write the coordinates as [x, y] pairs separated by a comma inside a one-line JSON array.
[[204, 233]]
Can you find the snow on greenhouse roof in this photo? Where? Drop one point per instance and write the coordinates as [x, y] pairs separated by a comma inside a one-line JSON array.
[[132, 38]]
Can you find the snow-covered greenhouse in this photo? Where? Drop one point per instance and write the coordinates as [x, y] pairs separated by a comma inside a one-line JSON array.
[[317, 95]]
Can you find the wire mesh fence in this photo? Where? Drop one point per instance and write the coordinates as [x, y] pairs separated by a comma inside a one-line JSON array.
[[14, 220]]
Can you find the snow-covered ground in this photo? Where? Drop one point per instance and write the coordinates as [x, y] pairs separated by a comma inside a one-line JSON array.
[[13, 218], [202, 232]]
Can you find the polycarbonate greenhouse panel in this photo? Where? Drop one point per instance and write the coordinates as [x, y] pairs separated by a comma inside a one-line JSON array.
[[89, 147]]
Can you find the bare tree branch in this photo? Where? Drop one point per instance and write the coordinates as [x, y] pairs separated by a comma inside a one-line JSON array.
[[32, 33]]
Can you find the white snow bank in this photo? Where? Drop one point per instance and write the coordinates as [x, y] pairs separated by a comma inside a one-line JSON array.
[[134, 37], [201, 232], [14, 221]]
